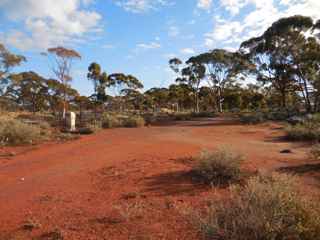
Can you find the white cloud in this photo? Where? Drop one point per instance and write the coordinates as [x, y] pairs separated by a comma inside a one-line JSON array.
[[140, 6], [48, 23], [230, 33], [204, 4], [152, 45], [187, 51]]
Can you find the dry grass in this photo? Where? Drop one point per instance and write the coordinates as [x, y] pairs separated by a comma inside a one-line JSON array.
[[218, 167], [267, 208], [309, 131], [15, 132]]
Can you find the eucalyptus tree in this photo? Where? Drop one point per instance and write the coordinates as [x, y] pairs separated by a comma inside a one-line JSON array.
[[221, 68], [192, 74], [29, 90], [283, 58], [159, 97], [119, 82], [8, 60], [62, 60]]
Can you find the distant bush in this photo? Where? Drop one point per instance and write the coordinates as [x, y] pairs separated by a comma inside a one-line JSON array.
[[267, 208], [15, 132], [203, 114], [182, 116], [315, 152], [110, 121], [308, 131], [133, 122], [218, 167], [252, 118]]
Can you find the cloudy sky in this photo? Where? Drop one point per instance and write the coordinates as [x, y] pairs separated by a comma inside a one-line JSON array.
[[136, 36]]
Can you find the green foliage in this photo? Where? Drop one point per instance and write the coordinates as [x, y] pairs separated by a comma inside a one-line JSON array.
[[15, 132], [315, 152], [308, 131], [182, 116], [267, 208], [117, 120], [133, 122], [252, 118], [110, 121], [218, 167]]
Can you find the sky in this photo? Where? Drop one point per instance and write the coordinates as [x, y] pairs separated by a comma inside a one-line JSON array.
[[135, 37]]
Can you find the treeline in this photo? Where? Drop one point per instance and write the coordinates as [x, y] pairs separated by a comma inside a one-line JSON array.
[[283, 66]]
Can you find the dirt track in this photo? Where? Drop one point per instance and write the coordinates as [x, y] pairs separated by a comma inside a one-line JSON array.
[[131, 183]]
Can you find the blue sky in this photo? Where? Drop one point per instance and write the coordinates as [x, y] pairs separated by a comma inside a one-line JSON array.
[[135, 36]]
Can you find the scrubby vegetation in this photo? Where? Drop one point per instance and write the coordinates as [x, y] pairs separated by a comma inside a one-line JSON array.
[[268, 207], [315, 152], [121, 120], [15, 132], [308, 131], [218, 167], [133, 121]]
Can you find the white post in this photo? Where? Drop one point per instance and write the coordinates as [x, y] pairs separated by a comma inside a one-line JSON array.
[[72, 121]]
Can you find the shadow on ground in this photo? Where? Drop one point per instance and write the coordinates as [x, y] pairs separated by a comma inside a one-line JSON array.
[[175, 183]]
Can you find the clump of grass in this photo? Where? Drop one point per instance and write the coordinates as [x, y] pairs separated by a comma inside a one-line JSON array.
[[133, 122], [218, 167], [252, 118], [182, 116], [110, 121], [315, 152], [308, 131], [15, 132], [267, 208]]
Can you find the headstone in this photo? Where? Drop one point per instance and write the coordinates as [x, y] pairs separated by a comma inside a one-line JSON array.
[[72, 121]]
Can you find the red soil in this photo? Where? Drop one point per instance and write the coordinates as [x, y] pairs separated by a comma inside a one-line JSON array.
[[131, 183]]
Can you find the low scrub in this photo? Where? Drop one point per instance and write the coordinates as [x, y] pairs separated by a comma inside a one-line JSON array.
[[116, 120], [110, 121], [308, 131], [218, 167], [251, 118], [15, 132], [133, 122], [267, 208], [315, 152], [203, 114], [182, 116]]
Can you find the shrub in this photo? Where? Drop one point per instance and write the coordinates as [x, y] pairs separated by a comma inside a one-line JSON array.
[[315, 152], [203, 115], [133, 122], [182, 116], [218, 167], [252, 118], [266, 208], [110, 121], [308, 131], [15, 132]]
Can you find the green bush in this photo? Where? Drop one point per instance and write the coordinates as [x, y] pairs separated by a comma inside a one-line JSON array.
[[133, 122], [15, 132], [315, 152], [267, 208], [308, 131], [203, 115], [252, 118], [110, 121], [182, 116], [218, 167]]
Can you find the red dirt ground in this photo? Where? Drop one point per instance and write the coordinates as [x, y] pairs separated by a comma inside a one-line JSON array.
[[131, 183]]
